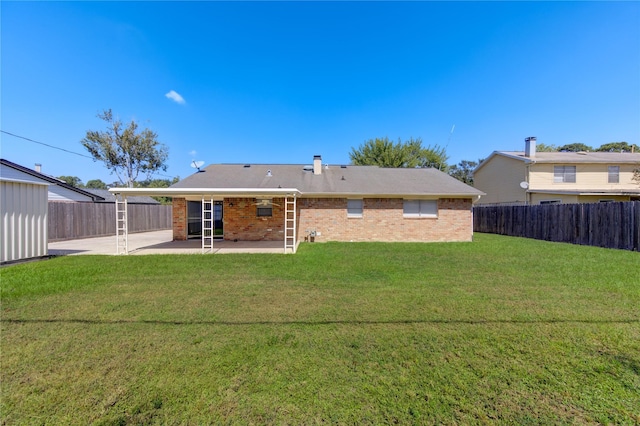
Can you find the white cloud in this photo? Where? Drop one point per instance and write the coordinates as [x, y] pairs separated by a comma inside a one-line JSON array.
[[175, 96], [192, 153]]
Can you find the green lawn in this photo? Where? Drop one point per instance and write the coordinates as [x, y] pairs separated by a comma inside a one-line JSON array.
[[501, 330]]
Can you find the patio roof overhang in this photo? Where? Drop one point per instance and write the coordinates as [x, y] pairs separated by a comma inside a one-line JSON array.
[[207, 196], [213, 192]]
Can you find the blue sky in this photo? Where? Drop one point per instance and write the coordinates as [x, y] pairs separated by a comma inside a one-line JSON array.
[[278, 82]]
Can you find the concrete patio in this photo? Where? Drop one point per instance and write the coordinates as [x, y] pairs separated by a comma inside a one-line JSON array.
[[159, 242]]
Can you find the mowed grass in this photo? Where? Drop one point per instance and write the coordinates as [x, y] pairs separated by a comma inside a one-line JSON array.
[[501, 330]]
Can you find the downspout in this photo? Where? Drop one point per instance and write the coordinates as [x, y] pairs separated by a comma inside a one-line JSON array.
[[527, 178], [527, 194]]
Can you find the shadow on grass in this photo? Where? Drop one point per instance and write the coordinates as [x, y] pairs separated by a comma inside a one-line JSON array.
[[320, 322]]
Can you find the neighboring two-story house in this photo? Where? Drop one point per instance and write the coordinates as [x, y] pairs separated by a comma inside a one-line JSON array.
[[530, 177]]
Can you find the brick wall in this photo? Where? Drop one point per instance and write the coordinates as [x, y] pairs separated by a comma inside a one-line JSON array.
[[241, 220], [382, 220], [179, 219]]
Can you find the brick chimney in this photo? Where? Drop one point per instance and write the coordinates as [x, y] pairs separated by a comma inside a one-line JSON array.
[[317, 165], [530, 146]]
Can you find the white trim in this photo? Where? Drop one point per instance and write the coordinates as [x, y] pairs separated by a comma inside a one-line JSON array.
[[181, 192], [279, 192], [29, 182], [584, 192]]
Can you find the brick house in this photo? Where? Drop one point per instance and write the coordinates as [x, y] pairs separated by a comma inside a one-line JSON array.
[[319, 202]]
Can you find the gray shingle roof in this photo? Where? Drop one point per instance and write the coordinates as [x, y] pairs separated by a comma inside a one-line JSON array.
[[51, 179], [577, 157], [334, 180], [111, 198]]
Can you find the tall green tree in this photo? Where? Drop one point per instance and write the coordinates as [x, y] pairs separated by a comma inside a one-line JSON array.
[[463, 171], [385, 153], [158, 183], [96, 184], [540, 147], [72, 180], [575, 147], [618, 147], [125, 150]]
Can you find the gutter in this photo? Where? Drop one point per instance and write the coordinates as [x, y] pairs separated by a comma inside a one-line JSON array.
[[248, 192], [177, 192]]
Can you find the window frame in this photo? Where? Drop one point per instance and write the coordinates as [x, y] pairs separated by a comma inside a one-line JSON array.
[[355, 212], [426, 209], [615, 175], [553, 201], [564, 174], [264, 210]]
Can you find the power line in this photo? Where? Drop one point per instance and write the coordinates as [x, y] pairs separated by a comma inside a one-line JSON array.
[[45, 144], [66, 150]]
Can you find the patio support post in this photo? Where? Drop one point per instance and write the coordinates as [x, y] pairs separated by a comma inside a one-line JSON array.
[[290, 224], [122, 232], [207, 224]]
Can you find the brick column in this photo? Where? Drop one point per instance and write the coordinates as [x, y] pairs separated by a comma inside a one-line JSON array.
[[179, 219]]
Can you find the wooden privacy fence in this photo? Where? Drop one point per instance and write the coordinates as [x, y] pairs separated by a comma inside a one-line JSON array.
[[68, 221], [611, 225]]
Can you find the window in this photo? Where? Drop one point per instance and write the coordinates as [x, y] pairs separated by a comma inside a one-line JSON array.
[[607, 200], [564, 174], [264, 208], [550, 202], [354, 208], [614, 174], [265, 211], [420, 208]]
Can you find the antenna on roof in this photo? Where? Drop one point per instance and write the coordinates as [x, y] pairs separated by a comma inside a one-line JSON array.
[[197, 164], [450, 134], [447, 145]]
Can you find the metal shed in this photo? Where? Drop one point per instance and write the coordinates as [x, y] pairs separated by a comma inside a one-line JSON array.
[[23, 209]]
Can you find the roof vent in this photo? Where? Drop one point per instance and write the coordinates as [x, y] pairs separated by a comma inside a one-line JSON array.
[[308, 168], [246, 166], [343, 166], [581, 152], [269, 173]]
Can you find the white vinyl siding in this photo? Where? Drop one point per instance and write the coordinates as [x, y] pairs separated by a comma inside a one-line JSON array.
[[614, 174], [354, 208], [564, 174], [420, 208], [23, 213]]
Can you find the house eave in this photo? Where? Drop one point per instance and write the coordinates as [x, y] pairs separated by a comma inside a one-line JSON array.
[[584, 192], [188, 192], [274, 192], [425, 195], [29, 182]]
